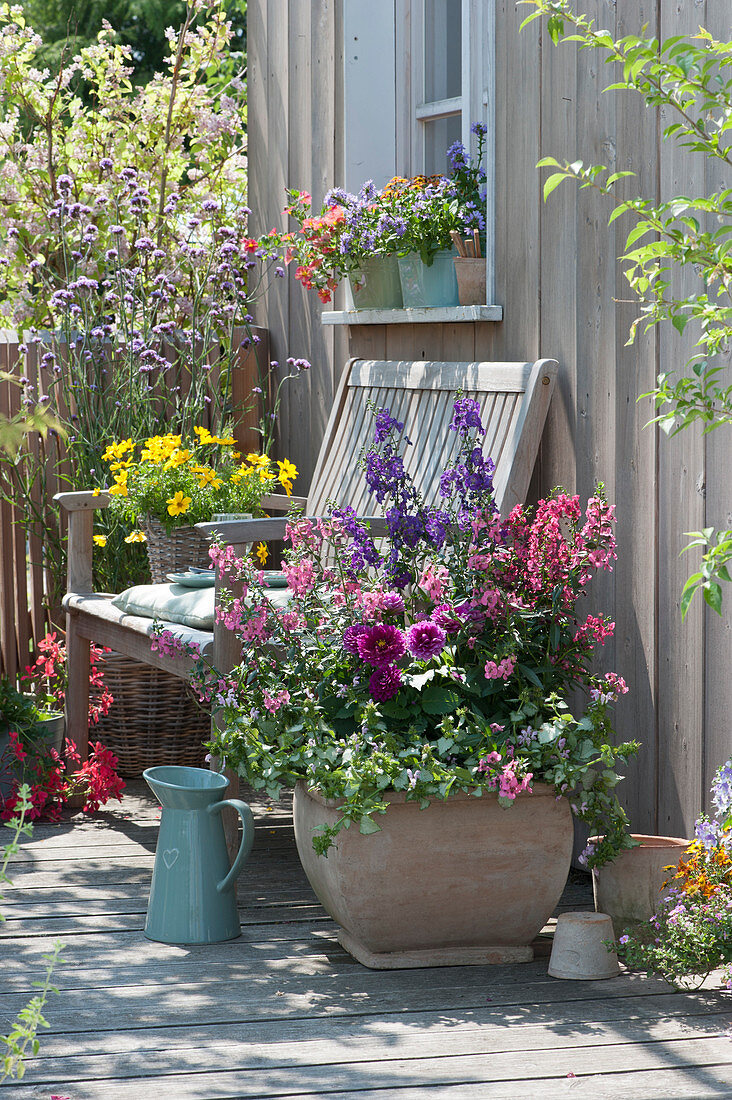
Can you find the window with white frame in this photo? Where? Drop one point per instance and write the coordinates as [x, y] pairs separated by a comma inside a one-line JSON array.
[[417, 74]]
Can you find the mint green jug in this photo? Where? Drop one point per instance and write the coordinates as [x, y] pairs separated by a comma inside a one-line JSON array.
[[193, 891]]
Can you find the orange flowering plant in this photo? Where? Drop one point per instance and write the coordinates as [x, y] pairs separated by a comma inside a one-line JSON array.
[[181, 483], [691, 933]]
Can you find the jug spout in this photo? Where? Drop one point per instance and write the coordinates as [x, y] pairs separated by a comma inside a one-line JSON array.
[[181, 788]]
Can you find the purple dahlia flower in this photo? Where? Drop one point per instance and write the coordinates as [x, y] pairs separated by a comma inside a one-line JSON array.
[[382, 644], [350, 638], [425, 640], [384, 682]]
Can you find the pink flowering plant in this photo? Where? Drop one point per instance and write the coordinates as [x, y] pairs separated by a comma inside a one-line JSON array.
[[439, 659]]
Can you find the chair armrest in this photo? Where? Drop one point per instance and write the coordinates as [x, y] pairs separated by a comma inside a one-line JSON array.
[[234, 532], [88, 499]]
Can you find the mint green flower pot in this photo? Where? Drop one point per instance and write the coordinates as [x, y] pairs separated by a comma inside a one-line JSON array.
[[376, 285], [193, 892], [426, 286]]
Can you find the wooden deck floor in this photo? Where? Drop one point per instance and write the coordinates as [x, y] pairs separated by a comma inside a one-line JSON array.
[[284, 1012]]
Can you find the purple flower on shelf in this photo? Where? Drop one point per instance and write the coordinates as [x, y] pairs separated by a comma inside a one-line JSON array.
[[425, 640], [381, 645], [384, 682]]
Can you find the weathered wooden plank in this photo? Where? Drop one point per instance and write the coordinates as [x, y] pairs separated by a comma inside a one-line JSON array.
[[635, 463], [718, 513], [439, 1070], [442, 375], [681, 473], [558, 267], [517, 236], [469, 1042]]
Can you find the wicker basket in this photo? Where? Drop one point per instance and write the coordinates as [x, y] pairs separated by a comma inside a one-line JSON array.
[[154, 718], [173, 551]]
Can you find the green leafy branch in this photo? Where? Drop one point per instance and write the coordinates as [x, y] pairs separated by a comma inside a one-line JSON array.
[[693, 79], [22, 1037]]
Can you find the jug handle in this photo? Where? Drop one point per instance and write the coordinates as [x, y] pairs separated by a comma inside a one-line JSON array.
[[247, 839]]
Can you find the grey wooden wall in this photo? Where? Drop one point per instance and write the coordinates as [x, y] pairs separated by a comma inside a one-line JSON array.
[[563, 294]]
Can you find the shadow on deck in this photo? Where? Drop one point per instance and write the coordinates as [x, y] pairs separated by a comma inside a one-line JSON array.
[[285, 1012]]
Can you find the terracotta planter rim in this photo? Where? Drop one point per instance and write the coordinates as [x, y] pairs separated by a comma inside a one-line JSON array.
[[648, 840], [543, 790]]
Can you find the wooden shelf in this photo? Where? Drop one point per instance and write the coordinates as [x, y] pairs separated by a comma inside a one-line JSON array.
[[435, 315]]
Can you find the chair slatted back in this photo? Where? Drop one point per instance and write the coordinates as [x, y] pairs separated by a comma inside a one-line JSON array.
[[513, 400]]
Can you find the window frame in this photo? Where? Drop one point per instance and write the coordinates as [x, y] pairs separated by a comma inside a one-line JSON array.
[[384, 48]]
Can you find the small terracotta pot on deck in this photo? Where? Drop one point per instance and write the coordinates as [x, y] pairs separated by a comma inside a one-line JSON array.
[[632, 886]]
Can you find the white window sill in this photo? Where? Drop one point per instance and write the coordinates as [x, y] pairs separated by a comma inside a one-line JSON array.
[[435, 315]]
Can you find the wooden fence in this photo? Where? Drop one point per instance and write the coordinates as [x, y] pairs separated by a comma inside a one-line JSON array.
[[31, 567]]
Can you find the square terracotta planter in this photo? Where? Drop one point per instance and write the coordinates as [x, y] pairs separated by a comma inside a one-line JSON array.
[[463, 881]]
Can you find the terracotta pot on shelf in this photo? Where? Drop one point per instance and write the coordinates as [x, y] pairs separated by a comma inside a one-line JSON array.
[[463, 881], [630, 888], [471, 280]]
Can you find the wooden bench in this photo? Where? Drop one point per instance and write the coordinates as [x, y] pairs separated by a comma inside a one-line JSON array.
[[513, 397]]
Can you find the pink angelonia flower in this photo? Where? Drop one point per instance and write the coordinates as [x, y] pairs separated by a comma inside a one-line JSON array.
[[434, 580], [274, 702], [300, 577], [501, 671]]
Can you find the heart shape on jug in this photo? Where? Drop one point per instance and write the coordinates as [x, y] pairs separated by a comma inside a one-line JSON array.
[[170, 855]]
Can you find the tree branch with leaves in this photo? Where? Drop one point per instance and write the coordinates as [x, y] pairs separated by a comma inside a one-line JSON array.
[[692, 79]]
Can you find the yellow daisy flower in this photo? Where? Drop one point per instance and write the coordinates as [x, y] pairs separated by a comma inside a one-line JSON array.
[[136, 536], [100, 540], [262, 552], [178, 504]]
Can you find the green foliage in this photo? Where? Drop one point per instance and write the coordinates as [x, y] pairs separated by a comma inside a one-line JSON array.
[[114, 206], [15, 429], [22, 1037], [66, 26], [690, 81]]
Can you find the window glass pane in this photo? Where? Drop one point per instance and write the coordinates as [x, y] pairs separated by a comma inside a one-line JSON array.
[[443, 49], [439, 135]]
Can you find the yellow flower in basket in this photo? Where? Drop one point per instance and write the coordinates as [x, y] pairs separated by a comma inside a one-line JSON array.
[[179, 504], [180, 482]]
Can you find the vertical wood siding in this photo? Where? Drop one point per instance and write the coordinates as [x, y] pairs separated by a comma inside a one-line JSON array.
[[564, 296]]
